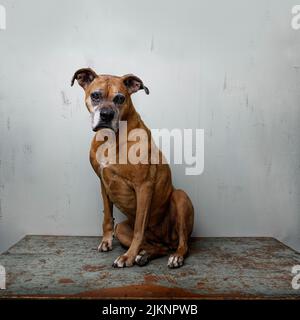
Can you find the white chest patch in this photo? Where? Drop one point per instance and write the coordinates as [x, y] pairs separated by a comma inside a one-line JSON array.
[[103, 164]]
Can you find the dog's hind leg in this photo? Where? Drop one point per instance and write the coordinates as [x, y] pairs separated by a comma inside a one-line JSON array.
[[149, 252], [182, 215], [124, 233]]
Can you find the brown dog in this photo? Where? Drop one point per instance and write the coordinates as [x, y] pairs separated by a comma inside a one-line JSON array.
[[159, 217]]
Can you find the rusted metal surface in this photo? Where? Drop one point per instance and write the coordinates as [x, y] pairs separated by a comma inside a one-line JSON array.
[[71, 267]]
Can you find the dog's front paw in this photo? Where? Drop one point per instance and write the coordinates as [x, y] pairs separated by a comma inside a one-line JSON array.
[[105, 245], [123, 261], [175, 261]]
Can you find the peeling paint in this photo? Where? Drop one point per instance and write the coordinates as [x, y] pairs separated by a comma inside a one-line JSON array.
[[27, 149], [152, 44], [65, 99], [215, 268]]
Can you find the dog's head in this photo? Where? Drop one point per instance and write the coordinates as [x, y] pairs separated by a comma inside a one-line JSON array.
[[107, 97]]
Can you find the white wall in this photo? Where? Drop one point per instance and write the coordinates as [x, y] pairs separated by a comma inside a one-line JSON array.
[[230, 67]]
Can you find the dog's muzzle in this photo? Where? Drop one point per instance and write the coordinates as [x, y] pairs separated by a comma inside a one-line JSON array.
[[102, 118]]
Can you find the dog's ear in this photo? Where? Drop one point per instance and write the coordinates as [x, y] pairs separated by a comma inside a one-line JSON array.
[[84, 77], [134, 84]]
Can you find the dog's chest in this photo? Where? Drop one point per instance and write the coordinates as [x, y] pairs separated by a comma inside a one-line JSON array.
[[103, 163], [118, 190]]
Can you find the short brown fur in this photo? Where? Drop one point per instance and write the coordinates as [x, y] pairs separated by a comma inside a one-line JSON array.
[[159, 217]]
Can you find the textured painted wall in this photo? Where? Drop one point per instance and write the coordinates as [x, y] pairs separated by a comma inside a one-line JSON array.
[[229, 67]]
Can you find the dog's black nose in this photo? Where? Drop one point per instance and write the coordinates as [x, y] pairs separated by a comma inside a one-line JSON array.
[[107, 114]]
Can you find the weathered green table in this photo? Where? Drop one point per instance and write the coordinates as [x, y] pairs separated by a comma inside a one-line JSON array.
[[71, 267]]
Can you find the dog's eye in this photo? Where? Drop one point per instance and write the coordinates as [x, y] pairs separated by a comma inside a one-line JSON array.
[[119, 98], [96, 96]]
